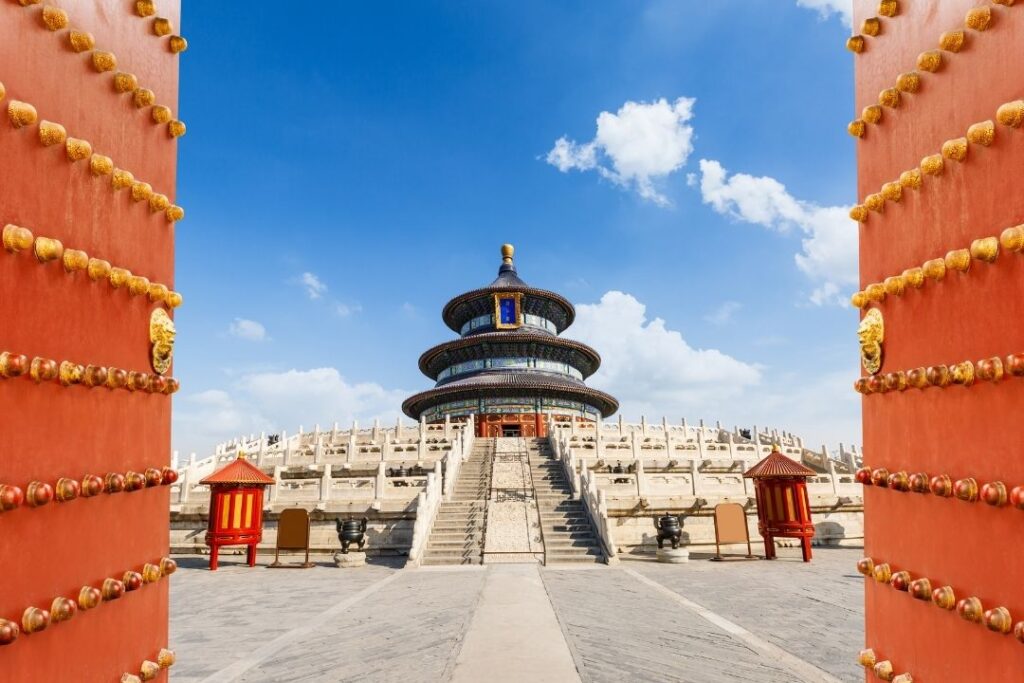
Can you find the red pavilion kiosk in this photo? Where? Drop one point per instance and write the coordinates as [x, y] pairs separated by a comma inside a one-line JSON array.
[[783, 510], [236, 508]]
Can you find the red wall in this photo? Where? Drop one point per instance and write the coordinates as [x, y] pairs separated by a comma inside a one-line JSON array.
[[49, 431], [957, 431]]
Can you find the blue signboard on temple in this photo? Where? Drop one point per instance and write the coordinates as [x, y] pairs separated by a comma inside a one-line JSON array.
[[508, 311]]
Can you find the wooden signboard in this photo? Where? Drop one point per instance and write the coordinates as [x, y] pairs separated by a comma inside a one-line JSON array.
[[292, 534], [730, 527]]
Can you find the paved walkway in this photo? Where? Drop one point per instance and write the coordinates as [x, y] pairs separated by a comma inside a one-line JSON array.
[[514, 635], [740, 622]]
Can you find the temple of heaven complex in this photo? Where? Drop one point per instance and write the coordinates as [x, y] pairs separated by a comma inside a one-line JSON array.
[[510, 368]]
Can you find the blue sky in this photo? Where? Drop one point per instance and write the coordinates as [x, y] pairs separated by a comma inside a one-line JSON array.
[[349, 168]]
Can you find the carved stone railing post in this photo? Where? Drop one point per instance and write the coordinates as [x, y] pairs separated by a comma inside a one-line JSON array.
[[325, 484], [380, 487]]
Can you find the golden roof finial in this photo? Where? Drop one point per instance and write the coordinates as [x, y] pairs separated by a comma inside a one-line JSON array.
[[507, 251], [241, 454]]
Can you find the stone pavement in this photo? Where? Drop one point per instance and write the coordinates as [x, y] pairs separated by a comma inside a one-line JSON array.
[[738, 621]]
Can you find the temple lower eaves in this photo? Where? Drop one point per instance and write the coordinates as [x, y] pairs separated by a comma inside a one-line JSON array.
[[510, 367]]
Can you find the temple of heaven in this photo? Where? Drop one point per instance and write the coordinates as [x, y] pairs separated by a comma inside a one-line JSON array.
[[509, 368]]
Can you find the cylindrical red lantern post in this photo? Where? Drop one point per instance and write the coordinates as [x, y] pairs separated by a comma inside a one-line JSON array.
[[783, 509], [236, 508]]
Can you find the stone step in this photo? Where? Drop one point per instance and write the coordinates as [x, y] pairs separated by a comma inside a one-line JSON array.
[[471, 544], [560, 559], [558, 545], [556, 523], [439, 562], [452, 555], [567, 535]]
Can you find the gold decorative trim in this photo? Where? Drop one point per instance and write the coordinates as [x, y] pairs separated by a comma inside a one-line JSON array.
[[890, 97], [122, 179], [997, 619], [22, 114], [952, 41], [983, 133], [125, 82], [141, 192], [47, 249], [871, 333], [100, 165], [68, 374], [62, 609], [161, 114], [978, 18], [162, 27], [911, 179], [143, 97], [963, 373], [17, 239], [930, 61], [161, 335], [872, 113], [985, 249], [51, 133], [498, 296], [955, 149], [104, 61], [1011, 114], [909, 82], [81, 41], [54, 18], [78, 150]]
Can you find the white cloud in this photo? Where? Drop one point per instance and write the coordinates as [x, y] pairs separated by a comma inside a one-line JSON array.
[[275, 401], [652, 369], [829, 255], [826, 8], [247, 329], [723, 315], [315, 288], [635, 147], [344, 310]]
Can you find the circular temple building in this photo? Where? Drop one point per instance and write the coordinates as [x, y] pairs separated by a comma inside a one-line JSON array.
[[510, 367]]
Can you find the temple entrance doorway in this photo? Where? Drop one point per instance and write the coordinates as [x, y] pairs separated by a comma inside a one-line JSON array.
[[511, 430]]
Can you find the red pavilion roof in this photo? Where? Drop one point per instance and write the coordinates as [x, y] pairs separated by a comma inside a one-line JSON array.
[[776, 465], [238, 471]]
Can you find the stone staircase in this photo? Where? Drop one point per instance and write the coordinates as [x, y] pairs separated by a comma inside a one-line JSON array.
[[457, 536], [568, 535]]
